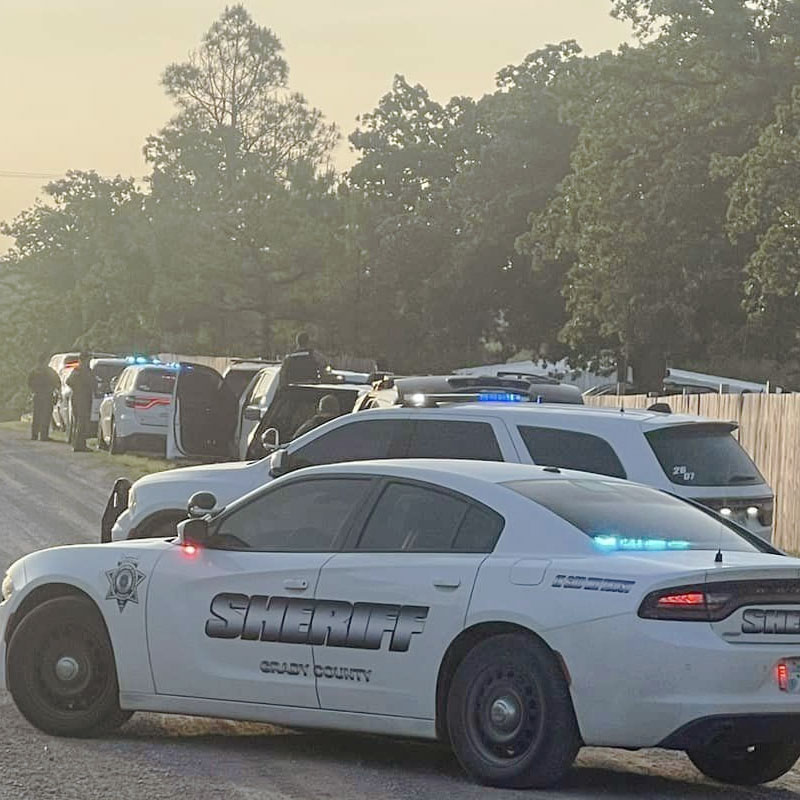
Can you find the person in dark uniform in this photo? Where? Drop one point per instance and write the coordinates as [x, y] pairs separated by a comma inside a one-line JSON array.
[[43, 383], [81, 381], [327, 409], [304, 364]]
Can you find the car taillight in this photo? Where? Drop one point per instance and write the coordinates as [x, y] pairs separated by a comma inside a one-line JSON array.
[[743, 510], [782, 676], [686, 603], [712, 602], [130, 401]]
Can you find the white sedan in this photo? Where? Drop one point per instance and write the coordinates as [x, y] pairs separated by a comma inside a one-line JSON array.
[[515, 612]]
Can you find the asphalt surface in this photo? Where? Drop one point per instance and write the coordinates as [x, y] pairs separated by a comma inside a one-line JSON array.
[[49, 496]]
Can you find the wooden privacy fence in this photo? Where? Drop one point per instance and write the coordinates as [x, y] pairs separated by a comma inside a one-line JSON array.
[[769, 430]]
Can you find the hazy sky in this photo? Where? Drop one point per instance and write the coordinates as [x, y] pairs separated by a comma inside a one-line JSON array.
[[79, 80]]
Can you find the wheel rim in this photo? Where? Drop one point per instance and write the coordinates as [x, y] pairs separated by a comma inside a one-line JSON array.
[[505, 719], [72, 670]]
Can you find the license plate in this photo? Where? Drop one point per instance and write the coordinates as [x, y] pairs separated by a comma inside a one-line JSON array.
[[793, 670]]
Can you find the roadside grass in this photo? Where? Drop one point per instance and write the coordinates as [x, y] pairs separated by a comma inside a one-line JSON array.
[[132, 465]]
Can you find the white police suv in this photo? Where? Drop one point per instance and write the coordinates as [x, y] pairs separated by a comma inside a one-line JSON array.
[[136, 413], [690, 456], [516, 612]]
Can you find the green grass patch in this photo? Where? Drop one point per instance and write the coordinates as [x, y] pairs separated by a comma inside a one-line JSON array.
[[131, 465]]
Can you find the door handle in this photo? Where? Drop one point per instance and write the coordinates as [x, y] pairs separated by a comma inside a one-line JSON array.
[[447, 583], [295, 583]]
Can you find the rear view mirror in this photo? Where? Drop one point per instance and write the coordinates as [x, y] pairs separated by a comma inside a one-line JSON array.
[[253, 414], [193, 532], [200, 504], [270, 440], [279, 463]]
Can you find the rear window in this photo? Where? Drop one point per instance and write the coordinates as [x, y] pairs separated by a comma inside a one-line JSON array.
[[159, 381], [626, 517], [703, 455]]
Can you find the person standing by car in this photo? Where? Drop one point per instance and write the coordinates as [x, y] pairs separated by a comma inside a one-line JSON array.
[[304, 364], [327, 410], [43, 383], [81, 381]]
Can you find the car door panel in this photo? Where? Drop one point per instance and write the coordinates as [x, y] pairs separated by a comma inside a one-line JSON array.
[[216, 620], [406, 608], [203, 414]]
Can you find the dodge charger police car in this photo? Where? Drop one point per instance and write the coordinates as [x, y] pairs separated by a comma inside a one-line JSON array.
[[515, 612], [690, 456]]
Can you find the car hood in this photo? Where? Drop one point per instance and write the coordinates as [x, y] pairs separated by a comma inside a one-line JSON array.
[[227, 481]]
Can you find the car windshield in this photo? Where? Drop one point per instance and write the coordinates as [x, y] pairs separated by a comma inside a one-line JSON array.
[[703, 455], [159, 381], [626, 517]]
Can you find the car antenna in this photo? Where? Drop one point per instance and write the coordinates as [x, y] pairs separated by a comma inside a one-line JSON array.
[[718, 557]]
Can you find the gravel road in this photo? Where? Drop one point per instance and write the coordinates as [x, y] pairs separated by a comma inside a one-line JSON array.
[[48, 496]]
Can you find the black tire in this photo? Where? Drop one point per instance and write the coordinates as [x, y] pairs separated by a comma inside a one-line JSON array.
[[536, 744], [117, 444], [66, 631], [746, 766]]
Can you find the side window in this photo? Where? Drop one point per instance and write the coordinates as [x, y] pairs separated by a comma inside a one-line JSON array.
[[357, 441], [303, 516], [452, 439], [479, 531], [553, 447], [413, 518], [262, 387]]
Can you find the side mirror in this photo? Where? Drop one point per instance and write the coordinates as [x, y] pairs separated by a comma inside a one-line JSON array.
[[270, 440], [253, 414], [279, 463], [193, 531], [200, 504]]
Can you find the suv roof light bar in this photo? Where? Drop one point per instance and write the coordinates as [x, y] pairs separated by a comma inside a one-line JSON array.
[[422, 400]]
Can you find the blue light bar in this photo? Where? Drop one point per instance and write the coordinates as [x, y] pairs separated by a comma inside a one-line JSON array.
[[501, 397], [645, 543]]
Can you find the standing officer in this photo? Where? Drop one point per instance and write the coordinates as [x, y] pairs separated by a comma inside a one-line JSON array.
[[81, 381], [304, 364], [43, 383]]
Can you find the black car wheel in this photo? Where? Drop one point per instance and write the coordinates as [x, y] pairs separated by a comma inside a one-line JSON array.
[[509, 714], [61, 670], [746, 766], [117, 444]]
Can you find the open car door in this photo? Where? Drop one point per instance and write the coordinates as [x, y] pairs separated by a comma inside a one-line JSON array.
[[204, 415]]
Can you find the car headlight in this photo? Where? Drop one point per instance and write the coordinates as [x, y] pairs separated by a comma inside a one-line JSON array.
[[7, 588]]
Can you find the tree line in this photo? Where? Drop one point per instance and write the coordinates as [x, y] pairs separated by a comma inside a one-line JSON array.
[[632, 207]]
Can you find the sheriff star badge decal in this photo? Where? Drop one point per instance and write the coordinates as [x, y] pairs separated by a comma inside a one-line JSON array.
[[123, 582]]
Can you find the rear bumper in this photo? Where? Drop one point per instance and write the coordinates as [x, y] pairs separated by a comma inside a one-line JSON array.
[[645, 683], [741, 730]]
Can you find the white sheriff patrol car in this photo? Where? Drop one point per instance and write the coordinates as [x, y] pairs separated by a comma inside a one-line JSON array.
[[516, 612], [690, 456]]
